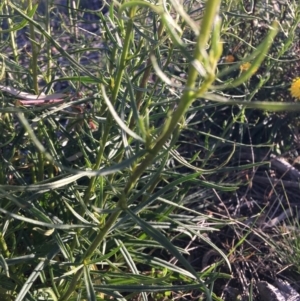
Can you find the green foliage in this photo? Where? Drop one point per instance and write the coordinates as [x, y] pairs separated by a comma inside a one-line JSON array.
[[105, 206]]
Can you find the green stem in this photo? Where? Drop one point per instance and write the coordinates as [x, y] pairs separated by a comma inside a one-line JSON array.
[[110, 222], [103, 141], [115, 92], [144, 81], [40, 155], [187, 98], [3, 246], [72, 286], [123, 60], [12, 34], [48, 29], [34, 59], [189, 95]]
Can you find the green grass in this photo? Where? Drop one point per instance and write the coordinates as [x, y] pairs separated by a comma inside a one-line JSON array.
[[120, 189]]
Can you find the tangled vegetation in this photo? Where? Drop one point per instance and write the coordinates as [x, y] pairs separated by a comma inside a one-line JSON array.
[[148, 149]]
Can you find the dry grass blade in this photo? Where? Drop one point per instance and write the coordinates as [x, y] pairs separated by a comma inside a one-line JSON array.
[[31, 97]]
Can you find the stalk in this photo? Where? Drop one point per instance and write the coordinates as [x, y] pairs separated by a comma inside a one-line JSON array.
[[189, 95], [14, 46], [115, 92]]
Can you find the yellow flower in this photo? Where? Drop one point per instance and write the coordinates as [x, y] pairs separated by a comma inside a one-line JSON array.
[[295, 88], [245, 66]]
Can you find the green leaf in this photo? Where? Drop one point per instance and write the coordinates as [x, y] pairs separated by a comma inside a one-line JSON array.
[[90, 292], [23, 23], [152, 232]]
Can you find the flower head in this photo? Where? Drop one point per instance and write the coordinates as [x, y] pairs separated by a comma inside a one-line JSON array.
[[295, 88], [245, 66]]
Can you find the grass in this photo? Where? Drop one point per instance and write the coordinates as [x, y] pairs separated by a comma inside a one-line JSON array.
[[143, 158]]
